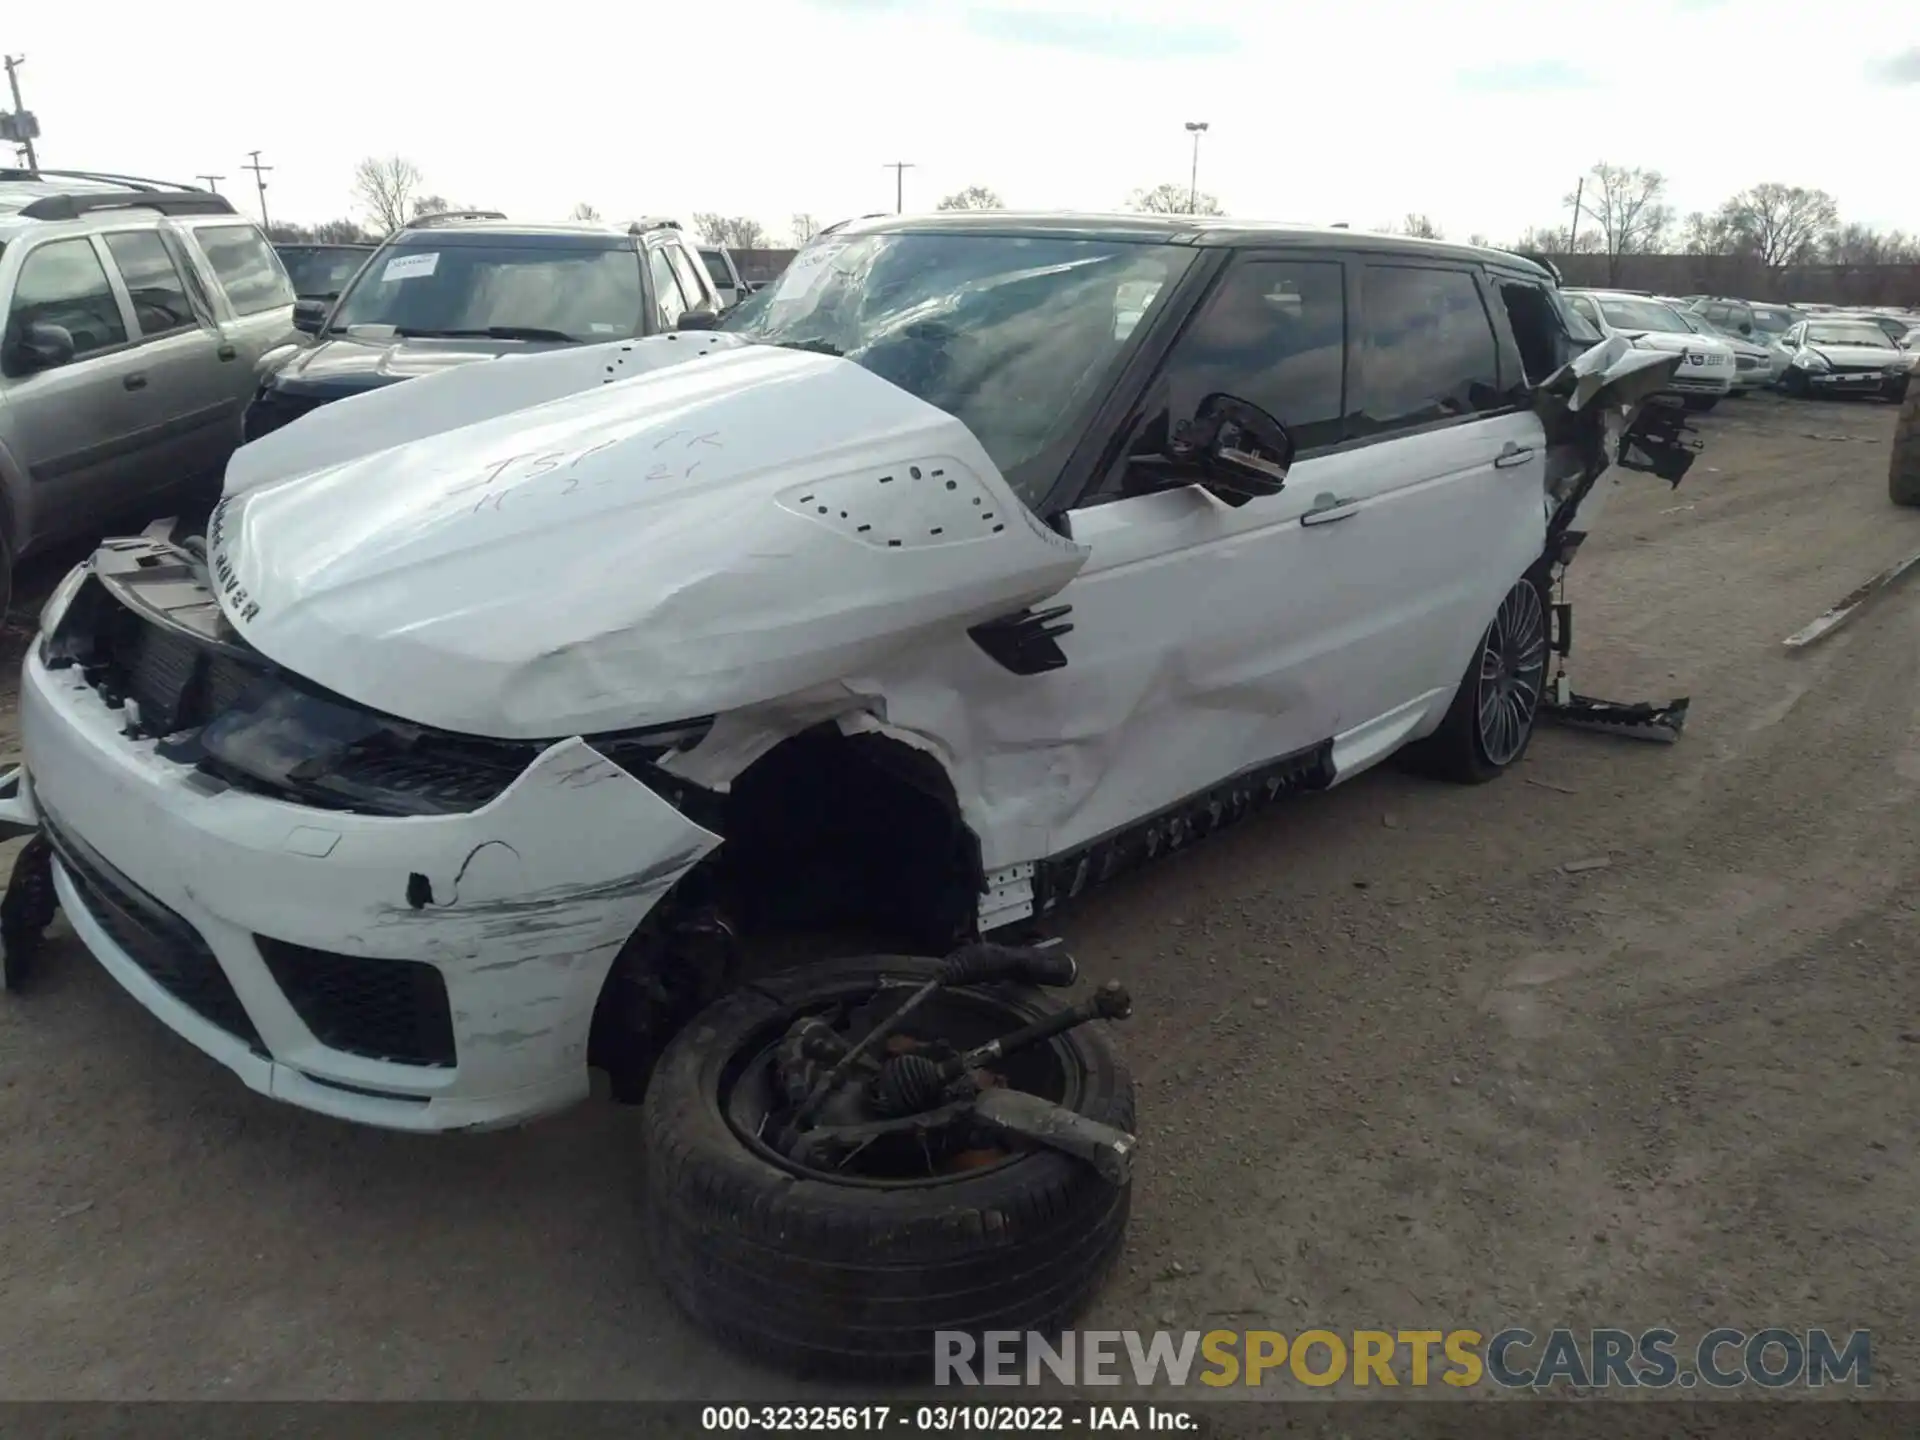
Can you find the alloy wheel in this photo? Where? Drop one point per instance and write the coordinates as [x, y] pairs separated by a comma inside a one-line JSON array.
[[1513, 669]]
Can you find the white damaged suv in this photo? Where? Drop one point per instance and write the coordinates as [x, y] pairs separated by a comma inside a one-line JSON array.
[[977, 559]]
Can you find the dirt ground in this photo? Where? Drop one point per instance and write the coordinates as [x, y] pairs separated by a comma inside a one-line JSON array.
[[1398, 1067]]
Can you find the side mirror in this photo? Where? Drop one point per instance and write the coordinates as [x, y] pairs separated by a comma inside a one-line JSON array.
[[40, 346], [309, 316], [697, 320], [1745, 328], [1241, 452]]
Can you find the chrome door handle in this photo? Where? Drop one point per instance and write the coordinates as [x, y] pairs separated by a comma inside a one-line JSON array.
[[1329, 508], [1513, 455]]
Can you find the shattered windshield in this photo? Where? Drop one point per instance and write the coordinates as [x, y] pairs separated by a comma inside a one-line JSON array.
[[1017, 337], [1642, 315], [506, 291]]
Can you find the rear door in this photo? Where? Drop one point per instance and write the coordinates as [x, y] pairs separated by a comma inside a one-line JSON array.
[[75, 428], [193, 410], [255, 287], [1446, 490]]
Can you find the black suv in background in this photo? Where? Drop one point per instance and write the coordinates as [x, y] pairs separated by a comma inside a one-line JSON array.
[[321, 272], [451, 289]]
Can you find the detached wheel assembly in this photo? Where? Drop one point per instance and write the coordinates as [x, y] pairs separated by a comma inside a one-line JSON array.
[[845, 1159]]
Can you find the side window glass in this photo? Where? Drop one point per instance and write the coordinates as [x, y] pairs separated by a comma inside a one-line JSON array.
[[672, 305], [1584, 308], [1274, 333], [247, 268], [690, 285], [1428, 349], [153, 281], [1543, 340], [63, 283]]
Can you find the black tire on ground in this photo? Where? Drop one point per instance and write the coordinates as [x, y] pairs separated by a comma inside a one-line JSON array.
[[1794, 382], [1700, 404], [1903, 470], [855, 1278], [1458, 750]]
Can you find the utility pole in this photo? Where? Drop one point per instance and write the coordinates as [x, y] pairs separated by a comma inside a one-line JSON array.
[[259, 180], [1573, 230], [1195, 128], [899, 168], [213, 181], [14, 62]]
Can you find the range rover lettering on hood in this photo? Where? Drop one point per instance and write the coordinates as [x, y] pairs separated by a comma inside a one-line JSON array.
[[618, 535]]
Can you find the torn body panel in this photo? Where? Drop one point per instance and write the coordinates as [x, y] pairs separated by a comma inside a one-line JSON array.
[[519, 906]]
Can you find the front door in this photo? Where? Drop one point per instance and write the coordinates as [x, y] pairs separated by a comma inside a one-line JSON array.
[[76, 428], [1211, 638]]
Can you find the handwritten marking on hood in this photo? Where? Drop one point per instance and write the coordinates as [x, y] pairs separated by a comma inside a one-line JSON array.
[[517, 473]]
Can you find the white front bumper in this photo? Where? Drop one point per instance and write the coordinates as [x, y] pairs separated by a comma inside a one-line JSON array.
[[531, 898]]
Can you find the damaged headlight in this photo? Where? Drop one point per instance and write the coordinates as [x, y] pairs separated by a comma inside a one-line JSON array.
[[328, 752], [325, 751], [1807, 360]]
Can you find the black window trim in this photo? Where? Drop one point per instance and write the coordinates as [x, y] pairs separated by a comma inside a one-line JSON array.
[[114, 287], [187, 283]]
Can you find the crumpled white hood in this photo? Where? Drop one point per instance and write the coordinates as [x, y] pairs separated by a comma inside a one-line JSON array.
[[616, 536]]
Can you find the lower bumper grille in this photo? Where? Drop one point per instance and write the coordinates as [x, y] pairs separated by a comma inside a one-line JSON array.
[[162, 944], [383, 1009]]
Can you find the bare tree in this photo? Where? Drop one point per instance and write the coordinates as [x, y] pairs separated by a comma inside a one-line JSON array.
[[1704, 234], [1480, 240], [1420, 227], [327, 232], [1554, 240], [1858, 245], [583, 211], [1627, 206], [386, 189], [737, 231], [973, 197], [805, 227], [1173, 199], [1780, 224]]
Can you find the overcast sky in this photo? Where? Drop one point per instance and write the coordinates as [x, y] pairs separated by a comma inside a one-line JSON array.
[[1480, 115]]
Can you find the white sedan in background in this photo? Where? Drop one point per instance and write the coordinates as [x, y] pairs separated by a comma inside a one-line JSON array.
[[1707, 367]]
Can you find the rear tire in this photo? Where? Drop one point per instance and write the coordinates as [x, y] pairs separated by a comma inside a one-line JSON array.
[[1491, 720], [1903, 470]]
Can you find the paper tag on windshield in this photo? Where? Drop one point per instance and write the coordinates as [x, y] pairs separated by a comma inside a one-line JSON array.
[[806, 272], [410, 267]]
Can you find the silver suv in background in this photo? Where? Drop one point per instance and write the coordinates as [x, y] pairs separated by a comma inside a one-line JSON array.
[[725, 275], [135, 314]]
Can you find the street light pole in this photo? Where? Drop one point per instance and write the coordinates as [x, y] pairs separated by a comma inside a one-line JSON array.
[[1195, 128]]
